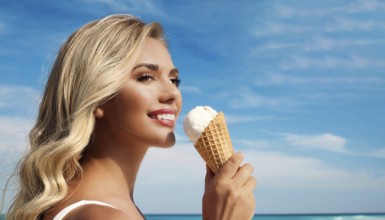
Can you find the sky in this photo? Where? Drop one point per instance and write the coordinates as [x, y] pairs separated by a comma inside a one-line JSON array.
[[301, 84]]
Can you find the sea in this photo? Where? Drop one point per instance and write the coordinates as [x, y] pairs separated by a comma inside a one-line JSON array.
[[377, 216], [380, 216]]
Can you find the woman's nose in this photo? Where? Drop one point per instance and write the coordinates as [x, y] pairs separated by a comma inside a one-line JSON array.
[[169, 92]]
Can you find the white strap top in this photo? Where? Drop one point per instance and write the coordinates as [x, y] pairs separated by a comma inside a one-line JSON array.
[[69, 208]]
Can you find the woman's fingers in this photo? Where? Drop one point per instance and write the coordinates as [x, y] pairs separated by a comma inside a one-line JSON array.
[[250, 184], [229, 192], [231, 167], [243, 174], [209, 175]]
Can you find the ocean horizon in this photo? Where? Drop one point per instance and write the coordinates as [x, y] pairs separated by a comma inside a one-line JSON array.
[[323, 216], [332, 216]]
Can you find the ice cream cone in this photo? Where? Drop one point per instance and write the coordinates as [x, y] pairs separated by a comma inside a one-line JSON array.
[[214, 144]]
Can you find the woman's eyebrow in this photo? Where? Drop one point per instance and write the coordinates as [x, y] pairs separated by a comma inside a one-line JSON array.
[[150, 66], [174, 71], [154, 67]]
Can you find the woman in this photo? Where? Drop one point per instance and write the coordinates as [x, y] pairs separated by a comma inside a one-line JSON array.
[[112, 93]]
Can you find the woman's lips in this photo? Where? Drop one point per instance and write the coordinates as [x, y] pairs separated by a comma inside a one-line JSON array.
[[165, 117]]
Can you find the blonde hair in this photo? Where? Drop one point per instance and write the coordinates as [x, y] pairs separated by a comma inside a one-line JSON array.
[[89, 69]]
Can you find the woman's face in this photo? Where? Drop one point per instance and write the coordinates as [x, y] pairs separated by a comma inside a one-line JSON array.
[[146, 108]]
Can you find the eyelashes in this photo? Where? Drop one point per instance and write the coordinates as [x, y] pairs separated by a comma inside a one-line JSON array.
[[176, 81], [148, 77]]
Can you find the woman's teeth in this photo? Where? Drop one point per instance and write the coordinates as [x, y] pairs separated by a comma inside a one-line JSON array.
[[166, 117]]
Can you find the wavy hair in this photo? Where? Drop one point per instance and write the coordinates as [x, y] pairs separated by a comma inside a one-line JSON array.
[[89, 69]]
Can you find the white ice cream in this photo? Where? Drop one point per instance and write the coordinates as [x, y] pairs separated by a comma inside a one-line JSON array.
[[197, 120]]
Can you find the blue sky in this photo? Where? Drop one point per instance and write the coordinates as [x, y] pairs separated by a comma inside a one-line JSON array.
[[301, 83]]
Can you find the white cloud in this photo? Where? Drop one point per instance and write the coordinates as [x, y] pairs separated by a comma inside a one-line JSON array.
[[274, 46], [365, 6], [19, 99], [233, 119], [267, 28], [142, 7], [2, 27], [13, 145], [285, 11], [14, 133], [381, 153], [181, 170], [171, 180], [252, 143], [275, 78], [19, 104], [190, 89], [315, 43], [340, 24], [319, 20], [327, 141], [321, 43], [357, 6], [378, 153], [164, 165], [296, 62], [277, 170], [246, 98]]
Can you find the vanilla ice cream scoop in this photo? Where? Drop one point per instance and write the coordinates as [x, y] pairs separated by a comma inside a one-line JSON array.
[[197, 120], [208, 131]]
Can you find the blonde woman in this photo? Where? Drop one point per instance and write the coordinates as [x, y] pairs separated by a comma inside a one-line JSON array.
[[112, 93]]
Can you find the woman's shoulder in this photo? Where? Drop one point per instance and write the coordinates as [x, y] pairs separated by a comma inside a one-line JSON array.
[[97, 212], [86, 209]]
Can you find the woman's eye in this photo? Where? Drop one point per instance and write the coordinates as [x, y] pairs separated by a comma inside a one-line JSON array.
[[176, 81], [147, 77]]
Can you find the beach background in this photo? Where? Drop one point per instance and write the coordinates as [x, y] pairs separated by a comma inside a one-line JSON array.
[[301, 83]]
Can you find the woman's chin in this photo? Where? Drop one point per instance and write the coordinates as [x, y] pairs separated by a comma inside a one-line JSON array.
[[168, 142]]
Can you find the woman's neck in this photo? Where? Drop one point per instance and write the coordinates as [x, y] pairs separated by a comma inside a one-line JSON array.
[[113, 168], [106, 177]]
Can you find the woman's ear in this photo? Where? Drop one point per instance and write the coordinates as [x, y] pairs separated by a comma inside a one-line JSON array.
[[98, 112]]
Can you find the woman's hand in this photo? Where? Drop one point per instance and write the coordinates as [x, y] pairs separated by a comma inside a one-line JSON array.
[[229, 194]]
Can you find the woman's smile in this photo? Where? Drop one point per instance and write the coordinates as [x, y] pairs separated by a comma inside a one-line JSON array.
[[165, 117]]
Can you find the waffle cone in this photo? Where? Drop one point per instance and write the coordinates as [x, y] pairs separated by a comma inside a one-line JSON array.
[[214, 144]]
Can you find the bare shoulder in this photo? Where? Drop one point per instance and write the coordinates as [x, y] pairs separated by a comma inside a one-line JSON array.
[[97, 212]]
